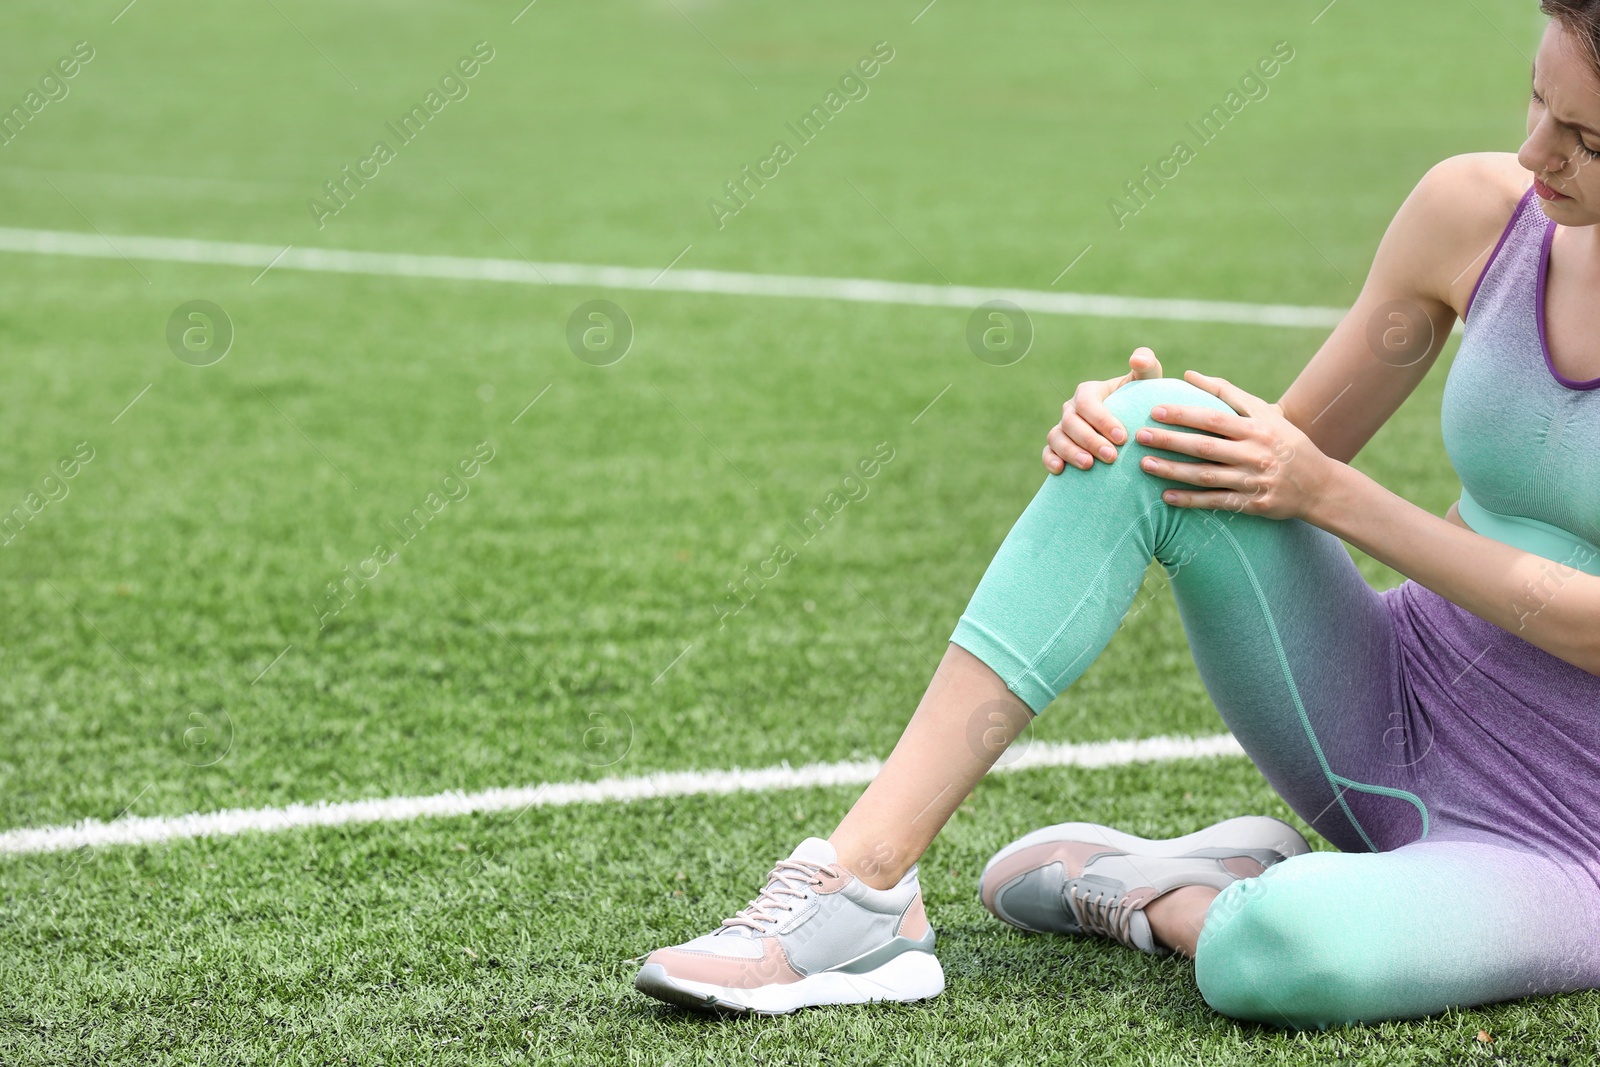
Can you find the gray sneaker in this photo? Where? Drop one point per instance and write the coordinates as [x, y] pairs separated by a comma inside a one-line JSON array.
[[815, 935], [1081, 878]]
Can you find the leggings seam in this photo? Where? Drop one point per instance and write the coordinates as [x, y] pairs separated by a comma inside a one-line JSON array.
[[1387, 791], [1334, 780]]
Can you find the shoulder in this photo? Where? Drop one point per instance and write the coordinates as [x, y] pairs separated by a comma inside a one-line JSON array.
[[1455, 216], [1473, 193]]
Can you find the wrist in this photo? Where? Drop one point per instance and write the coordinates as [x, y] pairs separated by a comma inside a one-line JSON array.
[[1340, 487]]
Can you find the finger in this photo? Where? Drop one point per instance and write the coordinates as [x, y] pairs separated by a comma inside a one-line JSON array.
[[1084, 434], [1052, 462], [1216, 500], [1067, 450], [1209, 419], [1144, 364], [1089, 405], [1236, 398], [1205, 475], [1199, 445]]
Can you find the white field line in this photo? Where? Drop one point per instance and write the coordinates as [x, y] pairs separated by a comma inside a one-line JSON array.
[[138, 830], [460, 268]]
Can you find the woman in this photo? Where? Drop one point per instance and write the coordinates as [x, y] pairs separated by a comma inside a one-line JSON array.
[[1444, 734]]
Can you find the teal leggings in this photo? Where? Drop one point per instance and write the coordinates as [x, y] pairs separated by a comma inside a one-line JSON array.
[[1428, 905]]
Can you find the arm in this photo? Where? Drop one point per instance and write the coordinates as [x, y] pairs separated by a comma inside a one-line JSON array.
[[1262, 464], [1548, 604], [1422, 275], [1287, 460], [1379, 352], [1291, 459]]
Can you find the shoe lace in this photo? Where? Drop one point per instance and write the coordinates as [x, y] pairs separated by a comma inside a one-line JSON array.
[[1104, 912], [788, 882]]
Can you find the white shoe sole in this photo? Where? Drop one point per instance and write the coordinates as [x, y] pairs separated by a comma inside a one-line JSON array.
[[908, 977], [1244, 832]]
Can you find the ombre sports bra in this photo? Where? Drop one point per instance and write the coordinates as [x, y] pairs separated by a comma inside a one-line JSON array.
[[1524, 439]]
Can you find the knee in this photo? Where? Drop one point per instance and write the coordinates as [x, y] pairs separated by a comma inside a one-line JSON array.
[[1270, 951], [1132, 403], [1131, 406]]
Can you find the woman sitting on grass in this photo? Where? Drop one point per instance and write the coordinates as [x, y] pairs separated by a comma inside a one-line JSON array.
[[1469, 868]]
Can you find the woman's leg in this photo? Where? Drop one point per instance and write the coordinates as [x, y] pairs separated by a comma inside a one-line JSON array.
[[1299, 654], [1297, 651], [964, 722], [1332, 938]]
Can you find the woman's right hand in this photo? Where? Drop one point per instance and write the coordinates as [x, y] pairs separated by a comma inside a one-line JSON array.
[[1087, 430]]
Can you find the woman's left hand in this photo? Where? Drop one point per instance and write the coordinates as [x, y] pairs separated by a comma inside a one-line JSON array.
[[1262, 464]]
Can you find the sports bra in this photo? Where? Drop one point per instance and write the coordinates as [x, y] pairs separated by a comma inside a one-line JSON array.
[[1523, 438]]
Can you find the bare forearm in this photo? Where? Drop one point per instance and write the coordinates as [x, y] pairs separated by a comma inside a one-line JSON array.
[[1553, 606]]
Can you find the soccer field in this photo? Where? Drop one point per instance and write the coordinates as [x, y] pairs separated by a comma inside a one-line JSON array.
[[389, 527]]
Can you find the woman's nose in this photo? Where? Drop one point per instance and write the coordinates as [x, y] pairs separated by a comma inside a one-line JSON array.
[[1540, 153]]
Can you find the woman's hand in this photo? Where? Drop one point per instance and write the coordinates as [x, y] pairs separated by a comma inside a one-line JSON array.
[[1087, 429], [1262, 464]]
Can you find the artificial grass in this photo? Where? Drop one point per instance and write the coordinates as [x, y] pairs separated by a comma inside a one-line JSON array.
[[509, 938], [164, 642]]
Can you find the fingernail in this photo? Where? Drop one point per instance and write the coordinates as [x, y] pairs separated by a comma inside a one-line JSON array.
[[1158, 413], [1084, 459], [1108, 453], [1118, 434], [1144, 436]]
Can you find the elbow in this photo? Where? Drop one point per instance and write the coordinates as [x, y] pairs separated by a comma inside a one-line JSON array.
[[1584, 651], [1574, 640], [1580, 622], [1589, 628], [1586, 655]]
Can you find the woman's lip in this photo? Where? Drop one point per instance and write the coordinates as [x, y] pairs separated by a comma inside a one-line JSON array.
[[1548, 193]]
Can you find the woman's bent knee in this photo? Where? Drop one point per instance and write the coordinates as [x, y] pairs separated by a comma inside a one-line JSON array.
[[1131, 404], [1272, 952]]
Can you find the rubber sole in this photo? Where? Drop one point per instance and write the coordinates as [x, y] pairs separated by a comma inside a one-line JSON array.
[[1246, 833], [1243, 832], [908, 977]]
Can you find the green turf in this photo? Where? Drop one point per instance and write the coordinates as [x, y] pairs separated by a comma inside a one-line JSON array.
[[142, 611], [507, 939]]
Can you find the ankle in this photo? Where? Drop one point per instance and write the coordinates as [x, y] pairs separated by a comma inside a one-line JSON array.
[[881, 866], [1177, 917]]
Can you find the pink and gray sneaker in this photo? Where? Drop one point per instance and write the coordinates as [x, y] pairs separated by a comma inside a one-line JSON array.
[[1081, 878], [815, 935]]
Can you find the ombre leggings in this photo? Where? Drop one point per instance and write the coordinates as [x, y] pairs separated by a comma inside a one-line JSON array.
[[1447, 891]]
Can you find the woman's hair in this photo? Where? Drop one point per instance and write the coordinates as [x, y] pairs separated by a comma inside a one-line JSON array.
[[1581, 18]]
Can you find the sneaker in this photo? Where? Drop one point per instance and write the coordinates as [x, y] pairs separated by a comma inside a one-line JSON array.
[[815, 935], [1080, 878]]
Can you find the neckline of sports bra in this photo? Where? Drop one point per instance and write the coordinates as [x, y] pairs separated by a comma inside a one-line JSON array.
[[1538, 311]]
